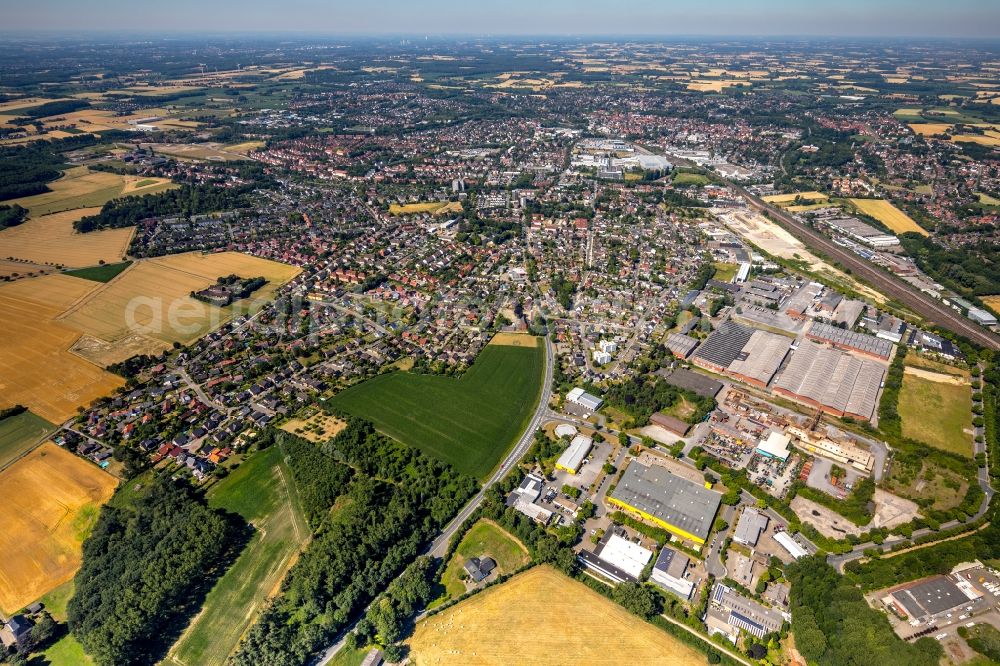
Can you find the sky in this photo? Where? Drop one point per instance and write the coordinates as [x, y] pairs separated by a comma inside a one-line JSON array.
[[930, 18]]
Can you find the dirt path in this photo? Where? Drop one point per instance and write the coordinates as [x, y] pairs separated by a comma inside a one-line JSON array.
[[938, 377]]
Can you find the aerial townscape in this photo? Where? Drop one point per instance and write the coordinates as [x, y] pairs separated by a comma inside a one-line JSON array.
[[453, 341]]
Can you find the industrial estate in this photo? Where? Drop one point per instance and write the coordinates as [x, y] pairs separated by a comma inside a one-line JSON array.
[[499, 351]]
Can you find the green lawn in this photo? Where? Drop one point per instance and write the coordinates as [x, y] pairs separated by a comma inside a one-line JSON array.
[[103, 273], [55, 602], [348, 657], [67, 651], [937, 413], [469, 422], [485, 538], [18, 434], [261, 491], [690, 178], [725, 272]]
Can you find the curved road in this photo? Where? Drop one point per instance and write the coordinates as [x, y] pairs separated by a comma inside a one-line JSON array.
[[439, 546]]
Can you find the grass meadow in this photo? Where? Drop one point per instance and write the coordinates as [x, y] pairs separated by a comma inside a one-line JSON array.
[[469, 422]]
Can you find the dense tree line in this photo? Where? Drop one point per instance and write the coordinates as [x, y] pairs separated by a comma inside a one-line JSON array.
[[11, 216], [54, 108], [936, 559], [641, 396], [145, 571], [971, 271], [387, 509], [184, 201], [888, 406], [834, 625], [25, 169]]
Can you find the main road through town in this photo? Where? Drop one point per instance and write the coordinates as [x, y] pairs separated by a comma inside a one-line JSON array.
[[439, 546]]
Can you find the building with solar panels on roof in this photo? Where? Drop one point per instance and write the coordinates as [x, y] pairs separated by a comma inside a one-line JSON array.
[[683, 508], [747, 354]]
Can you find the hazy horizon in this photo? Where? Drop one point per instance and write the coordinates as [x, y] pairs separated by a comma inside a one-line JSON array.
[[519, 18]]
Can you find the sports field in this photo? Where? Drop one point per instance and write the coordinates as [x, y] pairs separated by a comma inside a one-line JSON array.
[[51, 239], [51, 500], [469, 422], [937, 409], [889, 215], [36, 368], [546, 618], [261, 490], [153, 297], [19, 433], [485, 539]]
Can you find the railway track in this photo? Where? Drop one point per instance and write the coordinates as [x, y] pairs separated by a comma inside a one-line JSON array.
[[931, 309]]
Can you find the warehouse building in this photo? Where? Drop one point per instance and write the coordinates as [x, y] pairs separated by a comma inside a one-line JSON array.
[[734, 613], [931, 598], [836, 382], [863, 233], [792, 546], [572, 458], [680, 345], [677, 505], [668, 572], [845, 453], [775, 446], [850, 340], [750, 526], [746, 354], [670, 423], [581, 398], [616, 558]]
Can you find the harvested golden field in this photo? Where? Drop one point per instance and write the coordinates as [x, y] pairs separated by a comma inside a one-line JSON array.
[[36, 368], [412, 208], [244, 148], [714, 86], [152, 298], [546, 618], [514, 340], [987, 139], [929, 129], [889, 215], [992, 302], [51, 239], [789, 198], [11, 268], [80, 187], [52, 499]]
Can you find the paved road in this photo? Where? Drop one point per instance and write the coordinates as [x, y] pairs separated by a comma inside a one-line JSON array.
[[439, 546]]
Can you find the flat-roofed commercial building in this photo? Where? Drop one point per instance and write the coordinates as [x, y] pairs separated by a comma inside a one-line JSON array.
[[834, 381], [668, 572], [580, 397], [572, 458], [746, 354], [933, 597], [841, 452], [749, 527], [679, 506], [775, 446], [850, 340]]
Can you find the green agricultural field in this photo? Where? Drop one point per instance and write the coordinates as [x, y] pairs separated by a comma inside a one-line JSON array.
[[469, 422], [262, 491], [103, 273], [18, 434], [485, 538], [937, 413]]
